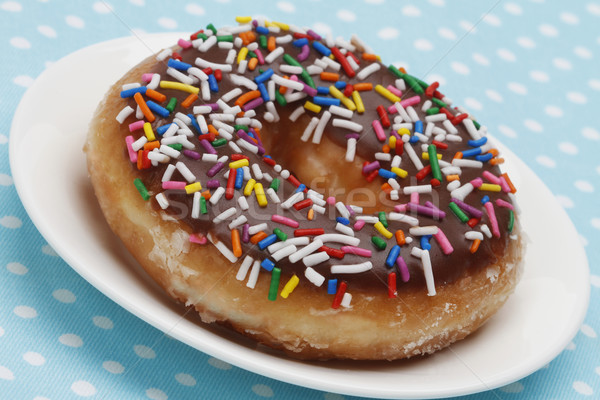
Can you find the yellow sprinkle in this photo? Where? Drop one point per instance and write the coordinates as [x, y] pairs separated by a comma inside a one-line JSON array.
[[490, 187], [179, 86], [281, 25], [392, 142], [193, 187], [260, 194], [360, 107], [242, 54], [335, 92], [381, 229], [387, 94], [149, 132], [289, 286], [349, 104], [425, 156], [403, 131], [400, 172], [249, 187], [243, 20], [242, 162], [312, 107], [311, 214]]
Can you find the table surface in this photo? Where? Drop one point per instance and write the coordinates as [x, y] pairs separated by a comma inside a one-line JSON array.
[[528, 69]]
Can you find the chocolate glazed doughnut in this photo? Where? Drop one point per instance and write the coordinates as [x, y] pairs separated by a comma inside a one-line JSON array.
[[297, 190]]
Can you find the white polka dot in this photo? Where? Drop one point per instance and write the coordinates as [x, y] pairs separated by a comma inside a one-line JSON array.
[[74, 21], [20, 43], [565, 201], [1, 331], [597, 370], [83, 388], [583, 388], [594, 84], [582, 52], [593, 8], [539, 76], [588, 331], [102, 7], [577, 97], [332, 396], [595, 223], [25, 312], [12, 6], [467, 26], [526, 42], [156, 394], [113, 367], [571, 346], [6, 373], [595, 279], [71, 340], [47, 31], [102, 322], [436, 78], [507, 131], [144, 351], [553, 111], [569, 18], [33, 358], [517, 88], [423, 44], [562, 63], [533, 125], [322, 28], [346, 15], [492, 20], [516, 387], [17, 268], [185, 379], [446, 33], [167, 23], [23, 80], [49, 251], [546, 161], [139, 3], [219, 364], [584, 242], [286, 7], [64, 296], [472, 104], [262, 390], [374, 1], [3, 139], [494, 96], [411, 11], [506, 55], [513, 8], [460, 68], [10, 222], [388, 33], [584, 186], [568, 148], [194, 9], [481, 59], [548, 30]]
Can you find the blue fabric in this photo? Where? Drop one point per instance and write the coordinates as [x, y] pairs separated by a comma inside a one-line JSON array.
[[528, 69]]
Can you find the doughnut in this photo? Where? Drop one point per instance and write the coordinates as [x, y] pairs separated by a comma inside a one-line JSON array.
[[297, 190]]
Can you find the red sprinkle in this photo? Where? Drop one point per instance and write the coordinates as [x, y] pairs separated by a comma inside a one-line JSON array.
[[176, 56], [235, 157], [473, 222], [392, 285], [459, 118], [303, 204], [431, 89], [337, 299], [362, 170], [269, 161], [299, 35], [343, 61], [448, 113], [439, 145], [230, 189], [423, 173], [335, 253], [434, 182], [309, 232], [293, 180], [208, 136], [383, 116], [207, 70], [351, 54], [218, 75], [372, 175], [348, 90], [399, 146]]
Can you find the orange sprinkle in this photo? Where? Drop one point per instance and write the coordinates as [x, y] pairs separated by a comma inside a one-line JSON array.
[[369, 56], [512, 187], [246, 97], [496, 161], [494, 152], [363, 87], [258, 237], [189, 100], [271, 45], [451, 178], [155, 144], [386, 148], [330, 76], [247, 37], [400, 239], [458, 155], [402, 70], [311, 214], [252, 63], [386, 188], [156, 96], [144, 107], [213, 130], [283, 89], [236, 243], [475, 245], [206, 194], [140, 158]]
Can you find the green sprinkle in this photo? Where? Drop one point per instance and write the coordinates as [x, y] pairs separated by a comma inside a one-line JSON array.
[[433, 161], [203, 209], [280, 99], [252, 54], [141, 188], [432, 111], [305, 76], [225, 38], [413, 83], [242, 127], [274, 287], [439, 103], [201, 36], [511, 221], [291, 60], [172, 104], [396, 71], [383, 219], [212, 28], [378, 242], [280, 234], [219, 142], [458, 212], [176, 146], [476, 125], [262, 41], [421, 83], [275, 184]]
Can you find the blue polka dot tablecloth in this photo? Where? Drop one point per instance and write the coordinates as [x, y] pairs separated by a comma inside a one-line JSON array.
[[529, 69]]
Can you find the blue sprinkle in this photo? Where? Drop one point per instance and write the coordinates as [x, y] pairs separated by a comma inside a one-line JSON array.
[[262, 30], [321, 48], [485, 199], [181, 66], [264, 93], [265, 76], [484, 157], [471, 152], [419, 126], [332, 286], [300, 42], [413, 139], [155, 108], [392, 256], [425, 242], [323, 89], [142, 89], [266, 242], [478, 142], [195, 124], [163, 128], [384, 173], [268, 156], [267, 264], [340, 85], [343, 221], [300, 188], [326, 101], [239, 178], [212, 83]]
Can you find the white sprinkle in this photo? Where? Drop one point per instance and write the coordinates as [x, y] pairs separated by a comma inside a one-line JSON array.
[[239, 80], [318, 209], [341, 208], [394, 216], [124, 113], [216, 196], [202, 109], [462, 191], [225, 45], [321, 127], [248, 146], [426, 106], [230, 212], [205, 90], [138, 144], [365, 72], [210, 157], [163, 55], [462, 162], [294, 96], [417, 252], [253, 275], [162, 200], [293, 199], [315, 198], [196, 205], [339, 238], [340, 111], [314, 259], [198, 73], [271, 108], [486, 230], [412, 114], [232, 94], [344, 123], [154, 155], [436, 118], [423, 230], [394, 184], [417, 189], [207, 44], [181, 117], [309, 129], [351, 268], [352, 63], [281, 81], [169, 151], [400, 84], [314, 70], [330, 63], [181, 77], [254, 229], [305, 251], [272, 56], [340, 42], [257, 172], [360, 44], [296, 241], [290, 69], [346, 300], [428, 272], [271, 89], [138, 113], [284, 252], [346, 230], [243, 270], [243, 203], [168, 173], [297, 113], [473, 235], [396, 162], [451, 170], [413, 156], [238, 42], [402, 112], [231, 55], [273, 195], [350, 149], [450, 127], [468, 123], [242, 66], [241, 220], [314, 277], [369, 219], [453, 185], [222, 248], [185, 171], [383, 156], [284, 39]]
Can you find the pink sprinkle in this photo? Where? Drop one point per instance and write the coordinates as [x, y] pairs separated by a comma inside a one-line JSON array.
[[132, 154], [198, 238], [504, 185], [259, 56], [134, 126], [414, 197], [356, 251], [401, 208], [177, 185], [394, 90], [358, 225], [502, 203], [294, 78], [184, 44], [285, 221], [379, 130], [331, 200], [491, 177], [411, 101], [403, 268], [147, 77], [443, 241], [489, 207], [477, 182]]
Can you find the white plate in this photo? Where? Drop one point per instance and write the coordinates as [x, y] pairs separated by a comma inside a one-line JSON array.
[[49, 171]]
